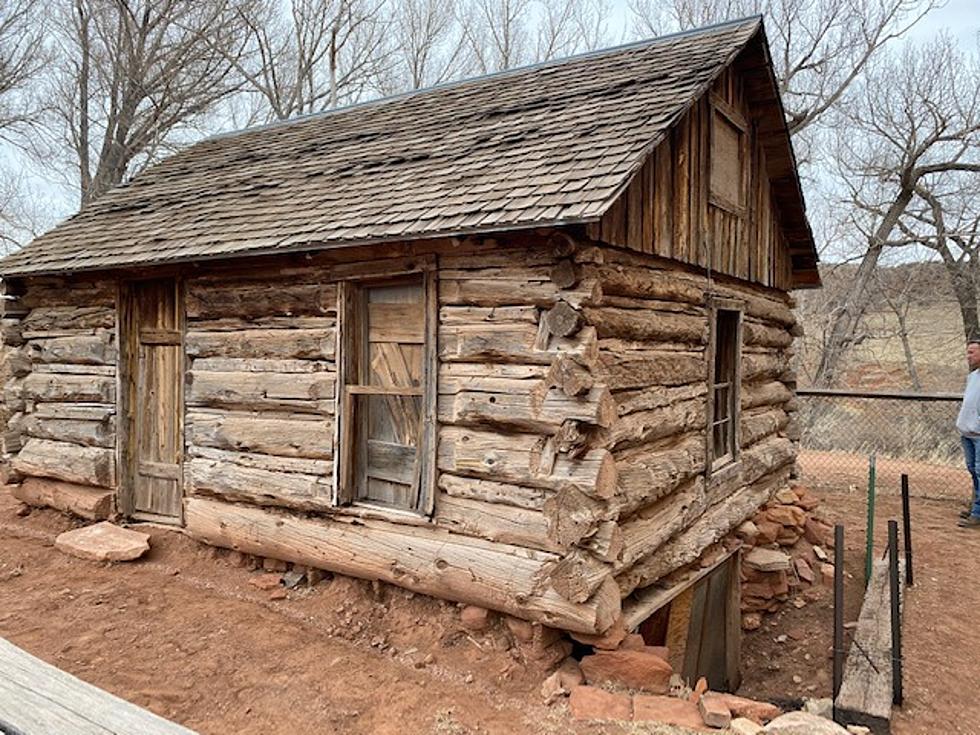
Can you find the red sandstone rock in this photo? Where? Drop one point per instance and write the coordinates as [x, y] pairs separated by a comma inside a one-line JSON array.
[[633, 669], [714, 711], [266, 582], [592, 703], [668, 710], [760, 712], [474, 618]]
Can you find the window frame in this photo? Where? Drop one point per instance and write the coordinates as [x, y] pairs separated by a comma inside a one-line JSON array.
[[721, 108], [349, 287], [715, 462]]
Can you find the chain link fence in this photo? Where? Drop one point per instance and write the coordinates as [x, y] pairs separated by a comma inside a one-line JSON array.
[[910, 433]]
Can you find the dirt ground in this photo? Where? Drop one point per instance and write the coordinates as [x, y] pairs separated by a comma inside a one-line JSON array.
[[184, 634], [941, 651]]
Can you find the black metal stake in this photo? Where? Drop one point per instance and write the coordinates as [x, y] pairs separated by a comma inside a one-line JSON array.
[[838, 612], [893, 584], [907, 529]]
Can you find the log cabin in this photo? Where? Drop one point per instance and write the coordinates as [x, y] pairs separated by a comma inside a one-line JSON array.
[[521, 341]]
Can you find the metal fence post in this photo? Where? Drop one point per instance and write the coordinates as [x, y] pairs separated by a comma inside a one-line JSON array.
[[838, 675], [907, 529], [896, 618], [870, 543]]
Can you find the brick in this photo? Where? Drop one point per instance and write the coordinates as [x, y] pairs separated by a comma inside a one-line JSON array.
[[667, 710], [714, 711], [592, 703], [633, 669]]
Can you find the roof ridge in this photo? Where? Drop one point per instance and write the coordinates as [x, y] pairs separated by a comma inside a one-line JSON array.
[[608, 50]]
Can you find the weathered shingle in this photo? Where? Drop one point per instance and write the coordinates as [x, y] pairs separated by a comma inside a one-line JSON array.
[[548, 144]]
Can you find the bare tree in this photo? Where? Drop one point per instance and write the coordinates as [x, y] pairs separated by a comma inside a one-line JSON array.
[[820, 47], [945, 218], [131, 77], [566, 27], [312, 55], [429, 45], [23, 56], [498, 33], [914, 119]]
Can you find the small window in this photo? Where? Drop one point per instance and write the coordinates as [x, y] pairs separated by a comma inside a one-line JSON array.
[[384, 442], [724, 394], [727, 162]]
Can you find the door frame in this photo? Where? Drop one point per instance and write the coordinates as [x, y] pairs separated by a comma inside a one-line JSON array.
[[127, 372]]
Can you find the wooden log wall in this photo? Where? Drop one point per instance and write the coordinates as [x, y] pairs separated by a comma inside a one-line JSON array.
[[259, 387], [571, 411], [60, 354], [651, 321]]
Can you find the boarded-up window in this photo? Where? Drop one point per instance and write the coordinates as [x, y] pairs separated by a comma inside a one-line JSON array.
[[723, 441], [727, 162], [384, 396]]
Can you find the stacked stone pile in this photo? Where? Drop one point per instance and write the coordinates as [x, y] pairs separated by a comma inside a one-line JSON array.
[[787, 547]]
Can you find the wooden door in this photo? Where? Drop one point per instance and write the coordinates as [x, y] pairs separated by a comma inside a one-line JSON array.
[[156, 406]]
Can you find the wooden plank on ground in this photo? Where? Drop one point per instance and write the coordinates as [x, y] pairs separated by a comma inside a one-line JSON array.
[[39, 699], [865, 696]]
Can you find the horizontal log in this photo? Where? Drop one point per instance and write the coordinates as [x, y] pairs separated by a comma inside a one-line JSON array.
[[108, 371], [67, 320], [237, 324], [645, 399], [268, 462], [302, 393], [489, 491], [430, 561], [642, 427], [494, 522], [261, 365], [646, 325], [510, 287], [619, 280], [512, 343], [232, 481], [83, 349], [775, 309], [75, 411], [11, 332], [768, 393], [522, 459], [284, 437], [765, 336], [646, 368], [712, 525], [74, 431], [69, 292], [755, 426], [456, 315], [763, 366], [310, 344], [93, 503], [528, 410], [68, 462], [646, 475], [250, 300], [57, 387]]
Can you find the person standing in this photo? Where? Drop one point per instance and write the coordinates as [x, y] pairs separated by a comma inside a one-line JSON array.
[[968, 423]]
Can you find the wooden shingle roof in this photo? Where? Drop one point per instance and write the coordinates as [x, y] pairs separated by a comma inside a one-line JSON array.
[[548, 145]]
